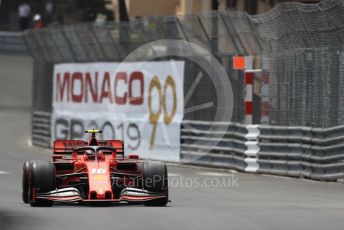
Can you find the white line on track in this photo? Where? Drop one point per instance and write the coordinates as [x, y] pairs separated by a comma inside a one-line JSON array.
[[213, 174], [4, 172], [173, 174]]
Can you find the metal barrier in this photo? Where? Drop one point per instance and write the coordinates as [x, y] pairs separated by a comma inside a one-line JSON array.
[[222, 148], [12, 43], [312, 153], [40, 132], [302, 152]]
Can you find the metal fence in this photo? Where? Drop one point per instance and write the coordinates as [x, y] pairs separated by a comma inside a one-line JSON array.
[[306, 87], [300, 45]]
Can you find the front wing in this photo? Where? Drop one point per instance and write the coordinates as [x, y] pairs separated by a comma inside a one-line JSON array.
[[69, 195]]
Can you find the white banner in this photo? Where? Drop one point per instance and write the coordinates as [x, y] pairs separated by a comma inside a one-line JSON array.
[[141, 103]]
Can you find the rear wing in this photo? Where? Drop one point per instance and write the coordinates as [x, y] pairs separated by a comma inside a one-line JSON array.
[[67, 146]]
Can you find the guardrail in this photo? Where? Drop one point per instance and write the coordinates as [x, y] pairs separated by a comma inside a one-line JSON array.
[[312, 153], [222, 146], [12, 43], [41, 126]]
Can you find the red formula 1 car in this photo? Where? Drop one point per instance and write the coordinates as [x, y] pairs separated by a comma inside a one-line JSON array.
[[94, 172]]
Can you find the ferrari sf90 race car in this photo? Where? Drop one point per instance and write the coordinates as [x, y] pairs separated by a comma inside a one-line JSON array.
[[95, 171]]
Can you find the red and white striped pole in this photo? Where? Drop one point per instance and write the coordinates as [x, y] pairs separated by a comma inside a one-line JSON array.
[[245, 63], [265, 98], [249, 97]]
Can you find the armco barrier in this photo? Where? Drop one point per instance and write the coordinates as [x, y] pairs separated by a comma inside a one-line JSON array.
[[223, 147], [12, 43], [302, 152], [41, 126], [312, 153]]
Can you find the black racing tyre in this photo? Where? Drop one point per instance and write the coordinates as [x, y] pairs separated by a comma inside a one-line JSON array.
[[155, 180], [43, 178], [25, 181]]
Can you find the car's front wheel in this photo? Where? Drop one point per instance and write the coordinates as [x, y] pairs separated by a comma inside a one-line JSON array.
[[155, 180], [42, 179]]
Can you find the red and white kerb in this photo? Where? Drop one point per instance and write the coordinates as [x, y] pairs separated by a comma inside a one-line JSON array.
[[249, 96]]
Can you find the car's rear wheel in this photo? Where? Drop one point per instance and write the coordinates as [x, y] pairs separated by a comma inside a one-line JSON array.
[[155, 180], [42, 179], [25, 181]]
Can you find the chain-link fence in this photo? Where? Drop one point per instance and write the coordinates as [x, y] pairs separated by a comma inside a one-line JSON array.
[[299, 45]]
